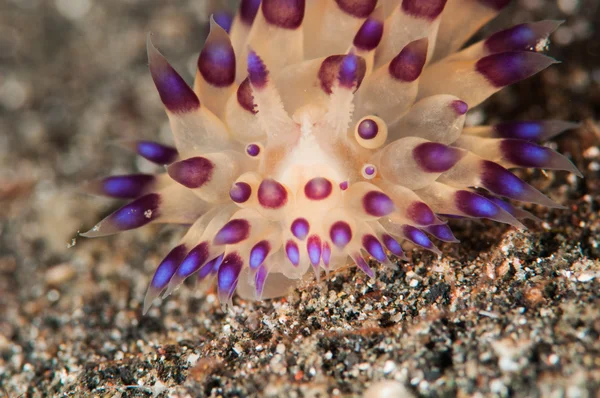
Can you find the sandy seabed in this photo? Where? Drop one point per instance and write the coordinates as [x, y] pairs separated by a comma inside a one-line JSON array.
[[504, 313]]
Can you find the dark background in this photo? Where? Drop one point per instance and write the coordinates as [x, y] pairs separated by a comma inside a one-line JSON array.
[[504, 312]]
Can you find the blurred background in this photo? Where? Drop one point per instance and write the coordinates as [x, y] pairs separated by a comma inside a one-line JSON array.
[[74, 79]]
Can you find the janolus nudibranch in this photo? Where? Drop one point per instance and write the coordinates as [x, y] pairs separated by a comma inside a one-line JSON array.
[[321, 132]]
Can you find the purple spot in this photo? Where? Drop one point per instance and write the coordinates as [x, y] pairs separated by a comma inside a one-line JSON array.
[[253, 150], [369, 35], [340, 234], [127, 186], [427, 9], [377, 204], [245, 97], [223, 19], [417, 236], [392, 245], [300, 228], [227, 278], [475, 205], [368, 129], [194, 260], [326, 255], [460, 107], [174, 92], [500, 203], [508, 68], [442, 232], [233, 232], [292, 252], [257, 71], [137, 213], [240, 192], [287, 14], [408, 64], [155, 152], [525, 154], [167, 267], [216, 63], [495, 4], [271, 194], [433, 157], [313, 247], [374, 248], [362, 264], [259, 253], [330, 70], [348, 76], [535, 130], [357, 8], [370, 170], [191, 173], [211, 267], [500, 181], [344, 185], [318, 188], [520, 37], [420, 213], [248, 10], [259, 280]]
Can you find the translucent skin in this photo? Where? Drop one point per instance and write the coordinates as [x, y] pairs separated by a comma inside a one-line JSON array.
[[324, 132]]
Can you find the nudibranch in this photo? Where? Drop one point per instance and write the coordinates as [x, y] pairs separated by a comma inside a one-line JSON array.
[[323, 133]]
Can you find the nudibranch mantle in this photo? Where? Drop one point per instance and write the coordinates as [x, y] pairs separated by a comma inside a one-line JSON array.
[[322, 132]]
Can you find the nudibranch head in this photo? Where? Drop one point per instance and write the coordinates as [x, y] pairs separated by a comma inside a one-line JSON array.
[[318, 133]]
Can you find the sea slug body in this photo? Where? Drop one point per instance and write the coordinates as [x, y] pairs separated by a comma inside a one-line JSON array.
[[319, 133]]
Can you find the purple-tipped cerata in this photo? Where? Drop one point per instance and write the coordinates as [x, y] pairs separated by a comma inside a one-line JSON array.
[[313, 247], [357, 8], [420, 213], [137, 213], [258, 73], [319, 133], [155, 152], [373, 247], [271, 194], [522, 37], [330, 71], [245, 97], [168, 267], [292, 252], [377, 204], [194, 260], [408, 64], [174, 92], [192, 172], [223, 19], [233, 232], [287, 14], [369, 35], [507, 68], [216, 62], [259, 253], [442, 232], [228, 274], [426, 9], [125, 186], [318, 188], [300, 228], [248, 10], [340, 234], [392, 245], [433, 157]]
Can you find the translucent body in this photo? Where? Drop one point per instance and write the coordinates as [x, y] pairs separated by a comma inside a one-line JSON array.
[[300, 149]]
